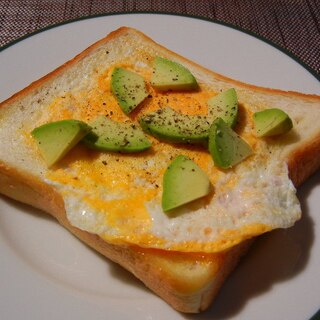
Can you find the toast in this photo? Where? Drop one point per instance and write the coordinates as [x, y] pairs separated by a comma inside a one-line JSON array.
[[187, 280]]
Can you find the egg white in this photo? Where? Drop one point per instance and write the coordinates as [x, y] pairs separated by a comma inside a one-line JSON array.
[[262, 198]]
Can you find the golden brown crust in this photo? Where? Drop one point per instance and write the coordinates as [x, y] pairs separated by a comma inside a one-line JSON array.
[[311, 97], [303, 162], [28, 189], [126, 30], [61, 69], [163, 272]]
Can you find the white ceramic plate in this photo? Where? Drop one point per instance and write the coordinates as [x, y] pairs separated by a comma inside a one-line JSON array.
[[45, 273]]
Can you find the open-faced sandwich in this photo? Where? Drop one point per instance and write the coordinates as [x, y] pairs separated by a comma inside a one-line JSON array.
[[159, 164]]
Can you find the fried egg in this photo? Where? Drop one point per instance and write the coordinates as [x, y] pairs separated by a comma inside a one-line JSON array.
[[118, 196]]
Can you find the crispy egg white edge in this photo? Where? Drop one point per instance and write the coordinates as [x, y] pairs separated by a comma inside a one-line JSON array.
[[264, 195]]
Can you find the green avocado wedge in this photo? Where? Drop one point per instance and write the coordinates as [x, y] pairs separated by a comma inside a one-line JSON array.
[[129, 88], [271, 122], [109, 135], [225, 106], [183, 181], [56, 139], [170, 75], [172, 126], [227, 148]]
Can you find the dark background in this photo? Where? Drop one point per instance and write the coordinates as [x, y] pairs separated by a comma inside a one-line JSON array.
[[294, 25]]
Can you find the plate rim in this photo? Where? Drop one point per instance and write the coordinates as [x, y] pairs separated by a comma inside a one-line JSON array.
[[185, 15]]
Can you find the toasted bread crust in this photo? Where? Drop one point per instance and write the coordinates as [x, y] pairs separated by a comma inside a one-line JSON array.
[[126, 31], [303, 162], [159, 270]]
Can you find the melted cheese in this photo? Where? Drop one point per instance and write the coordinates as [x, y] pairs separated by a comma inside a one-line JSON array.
[[118, 196]]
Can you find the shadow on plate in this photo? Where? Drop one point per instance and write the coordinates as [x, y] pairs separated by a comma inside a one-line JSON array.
[[112, 268], [37, 213], [275, 257]]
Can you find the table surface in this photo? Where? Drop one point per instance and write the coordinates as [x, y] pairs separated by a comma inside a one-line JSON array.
[[291, 25]]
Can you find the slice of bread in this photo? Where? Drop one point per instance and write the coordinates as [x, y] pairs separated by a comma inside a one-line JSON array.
[[188, 281]]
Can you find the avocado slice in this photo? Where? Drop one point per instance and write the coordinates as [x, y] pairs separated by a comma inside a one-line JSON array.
[[183, 182], [129, 88], [227, 148], [170, 75], [271, 122], [167, 124], [109, 135], [56, 139], [225, 106]]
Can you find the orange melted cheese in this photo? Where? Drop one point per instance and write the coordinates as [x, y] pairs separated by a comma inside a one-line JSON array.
[[118, 186], [100, 101]]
